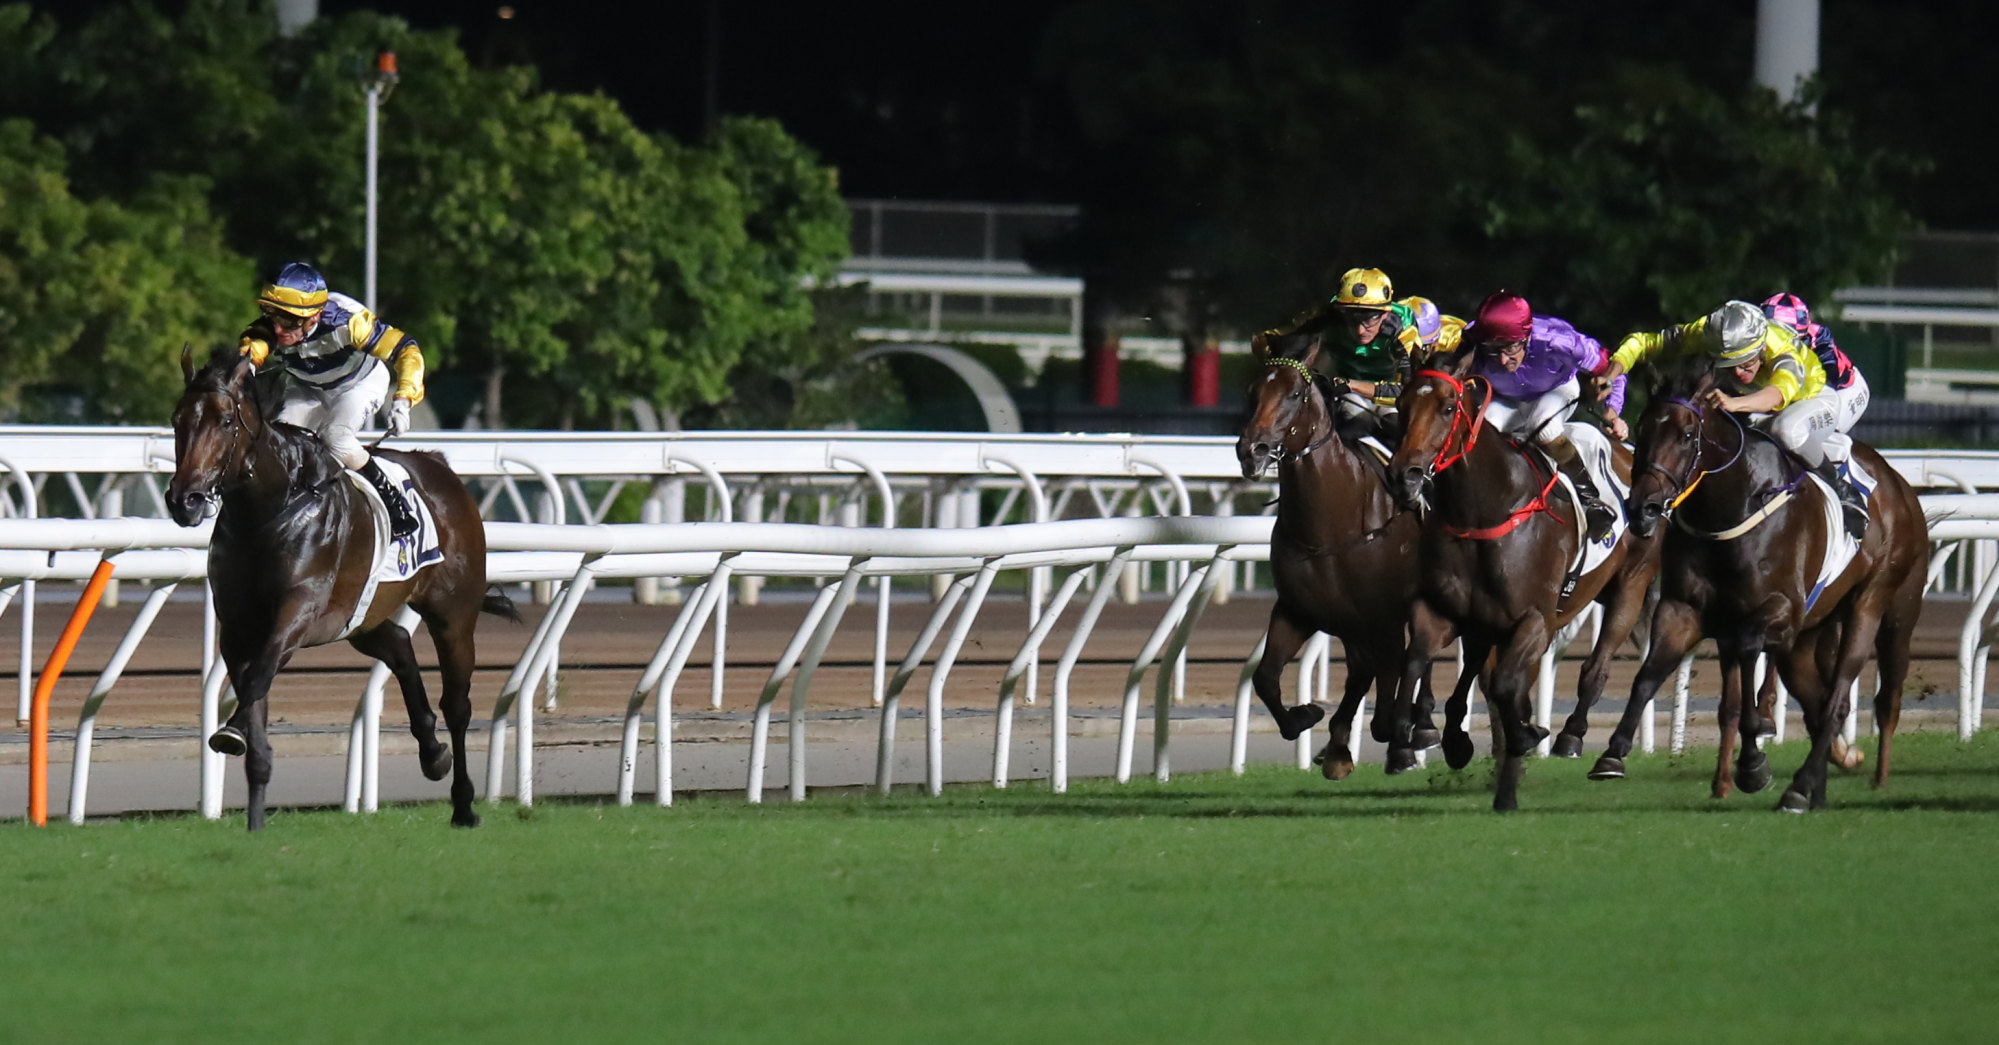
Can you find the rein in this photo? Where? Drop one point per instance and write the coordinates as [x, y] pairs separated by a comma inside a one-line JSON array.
[[1445, 459]]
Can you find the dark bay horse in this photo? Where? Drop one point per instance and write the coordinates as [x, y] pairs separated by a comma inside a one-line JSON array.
[[1741, 564], [291, 553], [1496, 552], [1341, 553]]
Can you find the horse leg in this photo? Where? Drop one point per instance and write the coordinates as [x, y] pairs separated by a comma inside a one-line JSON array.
[[1620, 613], [1752, 767], [1336, 758], [1675, 630], [1807, 790], [1391, 723], [1285, 639], [453, 638], [1512, 684], [1846, 756], [1728, 718], [390, 644], [1457, 742], [1891, 651]]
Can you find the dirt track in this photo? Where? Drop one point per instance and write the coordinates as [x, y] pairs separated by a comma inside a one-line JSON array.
[[610, 641]]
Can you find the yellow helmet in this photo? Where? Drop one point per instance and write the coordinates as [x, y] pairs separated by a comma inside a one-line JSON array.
[[1365, 288], [298, 288]]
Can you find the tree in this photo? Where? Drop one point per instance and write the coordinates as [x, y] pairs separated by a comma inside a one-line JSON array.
[[98, 297]]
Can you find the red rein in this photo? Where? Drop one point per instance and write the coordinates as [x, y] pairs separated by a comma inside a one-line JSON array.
[[1445, 459]]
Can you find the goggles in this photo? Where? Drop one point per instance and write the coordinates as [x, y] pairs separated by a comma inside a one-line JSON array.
[[287, 321]]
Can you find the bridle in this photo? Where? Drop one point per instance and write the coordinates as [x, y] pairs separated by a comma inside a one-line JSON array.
[[1778, 497], [1313, 437], [1445, 458], [241, 442], [1695, 473]]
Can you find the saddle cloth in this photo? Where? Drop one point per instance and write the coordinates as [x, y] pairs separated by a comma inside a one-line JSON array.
[[393, 560], [1595, 449], [1840, 547]]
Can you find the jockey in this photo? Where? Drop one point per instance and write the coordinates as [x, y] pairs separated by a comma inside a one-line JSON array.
[[1531, 363], [339, 358], [1438, 332], [1381, 335], [1841, 376], [1764, 368]]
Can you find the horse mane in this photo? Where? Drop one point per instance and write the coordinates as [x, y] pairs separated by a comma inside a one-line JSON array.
[[1678, 377]]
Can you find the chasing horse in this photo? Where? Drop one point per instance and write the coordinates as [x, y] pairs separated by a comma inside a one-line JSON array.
[[1790, 538], [314, 539], [1511, 552]]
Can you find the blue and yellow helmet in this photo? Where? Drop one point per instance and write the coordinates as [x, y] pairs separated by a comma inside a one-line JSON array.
[[298, 288]]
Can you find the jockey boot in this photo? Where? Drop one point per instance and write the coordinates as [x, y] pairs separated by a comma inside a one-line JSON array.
[[1852, 505], [402, 520], [1598, 514]]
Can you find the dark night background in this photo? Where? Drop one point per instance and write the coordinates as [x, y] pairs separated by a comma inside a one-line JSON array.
[[920, 100]]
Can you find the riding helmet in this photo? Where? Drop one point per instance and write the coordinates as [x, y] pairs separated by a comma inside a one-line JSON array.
[[298, 288], [1365, 288], [1789, 310], [1505, 316], [1735, 332]]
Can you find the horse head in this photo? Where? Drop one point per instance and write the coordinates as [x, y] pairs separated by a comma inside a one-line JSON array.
[[1669, 438], [216, 423], [1441, 413], [1288, 412]]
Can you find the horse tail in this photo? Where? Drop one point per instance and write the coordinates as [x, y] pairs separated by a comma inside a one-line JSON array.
[[497, 604]]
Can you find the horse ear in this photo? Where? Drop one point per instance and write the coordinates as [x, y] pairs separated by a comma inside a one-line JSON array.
[[241, 372], [186, 362], [1461, 364], [1312, 352]]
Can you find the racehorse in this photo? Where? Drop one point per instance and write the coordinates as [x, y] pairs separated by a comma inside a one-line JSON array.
[[290, 557], [1742, 563], [1496, 555], [1340, 551]]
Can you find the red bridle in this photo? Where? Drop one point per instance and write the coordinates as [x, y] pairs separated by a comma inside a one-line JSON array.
[[1445, 458]]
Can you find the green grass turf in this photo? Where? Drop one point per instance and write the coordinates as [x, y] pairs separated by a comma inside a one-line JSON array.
[[1273, 908]]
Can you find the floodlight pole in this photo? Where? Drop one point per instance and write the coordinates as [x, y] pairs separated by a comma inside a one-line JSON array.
[[381, 81]]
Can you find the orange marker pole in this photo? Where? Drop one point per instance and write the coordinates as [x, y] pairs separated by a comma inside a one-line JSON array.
[[38, 719]]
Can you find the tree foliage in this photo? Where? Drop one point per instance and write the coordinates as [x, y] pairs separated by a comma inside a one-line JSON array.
[[532, 240], [1244, 156]]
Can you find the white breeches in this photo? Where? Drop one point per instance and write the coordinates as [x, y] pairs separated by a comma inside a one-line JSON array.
[[1352, 405], [339, 413], [1540, 418], [1810, 429], [1852, 403]]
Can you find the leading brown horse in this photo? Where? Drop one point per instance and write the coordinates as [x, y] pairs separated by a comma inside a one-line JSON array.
[[1741, 563], [290, 557]]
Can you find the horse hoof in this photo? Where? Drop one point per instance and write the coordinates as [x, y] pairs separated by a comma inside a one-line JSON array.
[[228, 741], [1568, 745], [464, 818], [1527, 740], [1457, 749], [1752, 774], [1505, 804], [1848, 757], [1423, 738], [1608, 767], [438, 766], [1793, 802], [1300, 719], [1338, 766], [1401, 760]]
